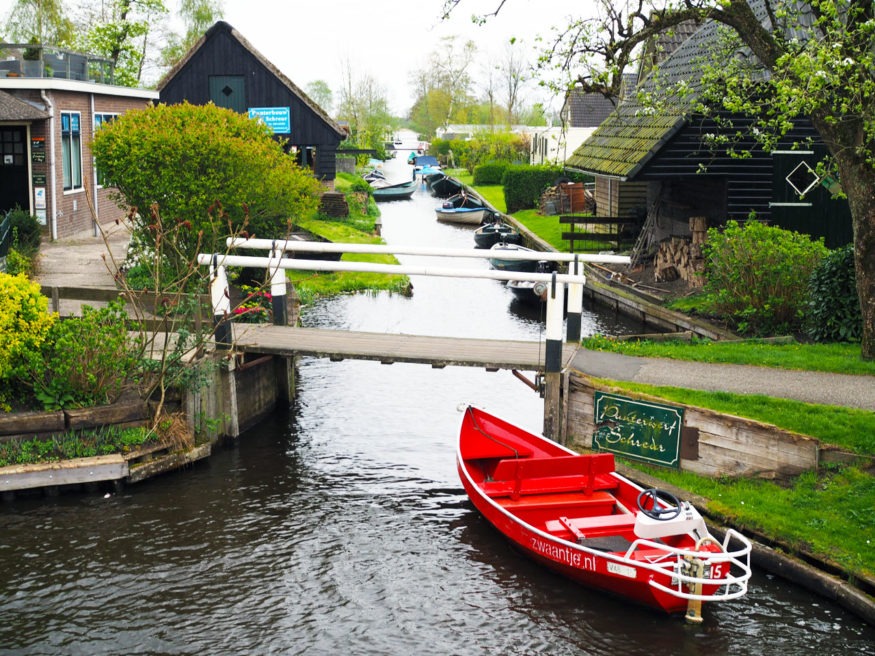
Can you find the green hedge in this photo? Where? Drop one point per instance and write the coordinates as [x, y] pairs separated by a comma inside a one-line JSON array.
[[833, 304], [523, 185], [490, 173]]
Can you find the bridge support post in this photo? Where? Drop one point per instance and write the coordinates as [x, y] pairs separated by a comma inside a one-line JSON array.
[[279, 300], [575, 304], [553, 360], [221, 301]]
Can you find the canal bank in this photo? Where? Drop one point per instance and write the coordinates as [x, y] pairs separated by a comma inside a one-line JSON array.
[[620, 376]]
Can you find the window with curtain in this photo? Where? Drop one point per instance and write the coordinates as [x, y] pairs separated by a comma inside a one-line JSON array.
[[71, 150]]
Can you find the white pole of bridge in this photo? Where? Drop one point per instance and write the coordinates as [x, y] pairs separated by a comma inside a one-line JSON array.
[[221, 301], [575, 304], [278, 287], [553, 358]]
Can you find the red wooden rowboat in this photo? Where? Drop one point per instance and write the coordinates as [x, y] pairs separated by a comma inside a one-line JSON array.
[[578, 516]]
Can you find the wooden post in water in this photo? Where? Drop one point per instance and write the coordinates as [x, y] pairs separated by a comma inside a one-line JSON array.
[[553, 360]]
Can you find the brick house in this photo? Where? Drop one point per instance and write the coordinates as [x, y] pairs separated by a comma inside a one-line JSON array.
[[48, 116]]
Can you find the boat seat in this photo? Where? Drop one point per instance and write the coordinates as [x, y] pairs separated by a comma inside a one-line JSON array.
[[514, 476], [584, 524], [598, 503]]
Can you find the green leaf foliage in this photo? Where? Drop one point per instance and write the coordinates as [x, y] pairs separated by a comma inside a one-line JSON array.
[[755, 276], [213, 170], [489, 173], [833, 305], [24, 327], [523, 185]]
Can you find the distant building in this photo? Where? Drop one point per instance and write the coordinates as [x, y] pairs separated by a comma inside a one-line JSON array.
[[225, 69], [51, 102], [581, 114]]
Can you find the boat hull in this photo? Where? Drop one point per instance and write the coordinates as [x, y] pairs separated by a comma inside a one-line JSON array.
[[401, 191], [465, 215], [574, 514], [491, 234]]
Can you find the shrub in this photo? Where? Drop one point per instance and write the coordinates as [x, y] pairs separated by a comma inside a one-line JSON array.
[[523, 185], [490, 173], [24, 326], [753, 276], [87, 360], [833, 304], [26, 232]]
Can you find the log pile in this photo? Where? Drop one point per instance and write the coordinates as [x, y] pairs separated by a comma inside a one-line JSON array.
[[681, 257]]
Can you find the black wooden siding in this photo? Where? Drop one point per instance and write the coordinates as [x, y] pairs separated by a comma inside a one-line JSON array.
[[750, 185], [223, 55]]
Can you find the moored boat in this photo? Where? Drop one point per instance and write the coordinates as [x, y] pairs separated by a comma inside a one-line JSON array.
[[502, 263], [576, 515], [466, 215], [443, 186], [490, 234], [400, 191]]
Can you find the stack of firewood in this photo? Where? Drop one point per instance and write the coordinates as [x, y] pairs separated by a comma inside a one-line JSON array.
[[681, 257]]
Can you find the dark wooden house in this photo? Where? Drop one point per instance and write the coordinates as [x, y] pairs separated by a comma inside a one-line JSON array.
[[224, 68], [663, 161]]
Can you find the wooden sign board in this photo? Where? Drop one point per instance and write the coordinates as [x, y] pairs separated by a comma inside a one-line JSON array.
[[642, 430]]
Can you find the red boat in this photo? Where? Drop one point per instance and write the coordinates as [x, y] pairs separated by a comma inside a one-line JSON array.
[[578, 516]]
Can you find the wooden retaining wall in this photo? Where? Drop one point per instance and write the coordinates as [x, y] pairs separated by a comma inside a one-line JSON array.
[[713, 444]]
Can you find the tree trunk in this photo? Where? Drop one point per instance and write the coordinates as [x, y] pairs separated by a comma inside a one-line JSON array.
[[858, 181]]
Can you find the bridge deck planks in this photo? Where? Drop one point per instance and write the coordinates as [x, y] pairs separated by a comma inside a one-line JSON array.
[[388, 348]]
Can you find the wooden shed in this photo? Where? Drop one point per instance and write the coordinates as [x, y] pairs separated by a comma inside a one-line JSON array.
[[665, 161], [225, 69]]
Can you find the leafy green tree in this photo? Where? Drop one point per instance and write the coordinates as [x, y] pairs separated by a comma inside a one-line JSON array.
[[120, 31], [197, 17], [39, 21], [364, 106], [209, 170], [819, 60], [321, 94]]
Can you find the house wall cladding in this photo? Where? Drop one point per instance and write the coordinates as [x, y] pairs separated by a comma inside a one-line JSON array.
[[223, 55], [751, 184], [615, 198]]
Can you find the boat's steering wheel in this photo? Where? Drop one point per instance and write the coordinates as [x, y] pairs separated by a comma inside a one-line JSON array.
[[651, 503]]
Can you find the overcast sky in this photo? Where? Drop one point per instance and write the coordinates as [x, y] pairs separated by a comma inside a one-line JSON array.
[[387, 39]]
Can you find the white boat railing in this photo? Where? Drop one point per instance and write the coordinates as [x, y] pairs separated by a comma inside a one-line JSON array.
[[676, 562]]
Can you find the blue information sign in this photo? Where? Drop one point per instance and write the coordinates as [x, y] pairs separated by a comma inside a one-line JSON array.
[[278, 119]]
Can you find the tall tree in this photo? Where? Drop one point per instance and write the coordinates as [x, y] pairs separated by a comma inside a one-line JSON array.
[[120, 31], [197, 17], [819, 60], [512, 71], [39, 21], [363, 104], [321, 94]]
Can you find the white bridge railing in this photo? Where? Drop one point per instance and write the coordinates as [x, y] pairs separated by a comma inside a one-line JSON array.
[[276, 263]]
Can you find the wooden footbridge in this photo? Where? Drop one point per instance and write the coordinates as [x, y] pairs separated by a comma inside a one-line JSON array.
[[385, 348], [550, 357]]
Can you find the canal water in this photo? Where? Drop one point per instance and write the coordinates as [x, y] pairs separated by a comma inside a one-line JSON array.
[[339, 526]]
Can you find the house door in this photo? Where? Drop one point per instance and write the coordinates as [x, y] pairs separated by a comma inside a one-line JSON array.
[[14, 187]]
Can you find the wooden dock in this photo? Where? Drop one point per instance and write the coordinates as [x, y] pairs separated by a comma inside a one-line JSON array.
[[387, 348]]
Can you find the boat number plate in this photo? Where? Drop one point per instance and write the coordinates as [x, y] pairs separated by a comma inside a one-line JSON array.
[[622, 570]]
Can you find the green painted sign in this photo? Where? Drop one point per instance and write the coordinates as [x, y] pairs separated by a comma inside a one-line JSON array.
[[637, 429]]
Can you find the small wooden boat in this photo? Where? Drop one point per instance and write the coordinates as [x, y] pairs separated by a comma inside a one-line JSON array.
[[466, 215], [400, 191], [443, 186], [490, 234], [463, 208], [509, 264], [576, 515]]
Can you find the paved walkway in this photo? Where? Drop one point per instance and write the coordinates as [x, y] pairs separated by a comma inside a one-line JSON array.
[[83, 261], [808, 386]]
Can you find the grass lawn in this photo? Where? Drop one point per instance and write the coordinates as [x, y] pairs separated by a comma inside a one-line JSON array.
[[824, 513]]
